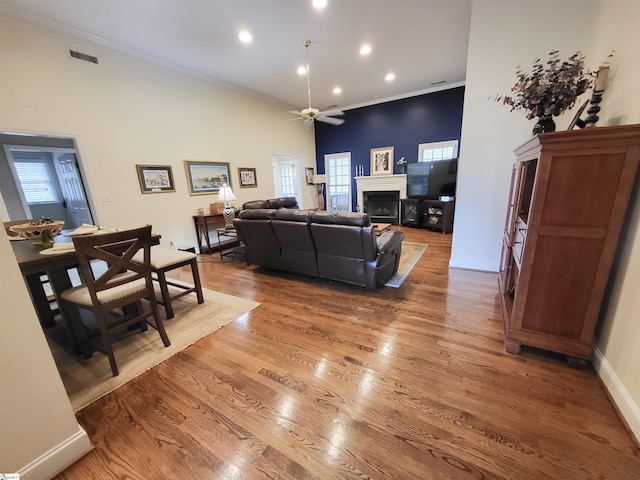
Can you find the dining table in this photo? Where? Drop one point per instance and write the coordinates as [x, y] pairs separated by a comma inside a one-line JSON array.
[[56, 265]]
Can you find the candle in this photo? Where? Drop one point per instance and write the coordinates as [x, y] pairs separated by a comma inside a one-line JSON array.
[[601, 79]]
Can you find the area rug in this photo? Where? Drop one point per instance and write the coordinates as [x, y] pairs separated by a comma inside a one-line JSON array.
[[411, 253], [87, 380]]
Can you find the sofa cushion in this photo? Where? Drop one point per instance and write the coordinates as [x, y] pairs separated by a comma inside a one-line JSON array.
[[291, 228], [353, 219], [282, 202], [255, 231], [258, 213], [293, 215], [255, 204]]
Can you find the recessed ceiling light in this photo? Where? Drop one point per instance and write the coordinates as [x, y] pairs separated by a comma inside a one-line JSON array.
[[319, 4], [337, 91], [365, 49], [245, 36], [302, 70], [390, 77]]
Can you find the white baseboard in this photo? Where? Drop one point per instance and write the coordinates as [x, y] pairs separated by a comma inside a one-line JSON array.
[[472, 264], [58, 458], [628, 408]]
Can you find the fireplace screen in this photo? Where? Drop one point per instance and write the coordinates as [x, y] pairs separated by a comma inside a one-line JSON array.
[[382, 207]]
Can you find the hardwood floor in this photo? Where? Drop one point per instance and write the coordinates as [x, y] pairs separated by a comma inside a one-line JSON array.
[[327, 381]]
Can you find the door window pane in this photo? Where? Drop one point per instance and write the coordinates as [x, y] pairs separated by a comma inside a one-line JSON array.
[[287, 181], [338, 168]]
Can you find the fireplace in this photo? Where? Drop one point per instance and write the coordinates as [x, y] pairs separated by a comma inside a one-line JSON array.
[[382, 206], [396, 184]]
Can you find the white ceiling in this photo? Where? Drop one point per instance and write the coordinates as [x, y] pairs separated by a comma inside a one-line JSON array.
[[422, 41]]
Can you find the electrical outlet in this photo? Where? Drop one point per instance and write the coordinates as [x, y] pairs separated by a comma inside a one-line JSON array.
[[105, 197]]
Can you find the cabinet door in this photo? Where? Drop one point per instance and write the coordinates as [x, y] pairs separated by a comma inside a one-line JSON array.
[[410, 211], [510, 219], [434, 213]]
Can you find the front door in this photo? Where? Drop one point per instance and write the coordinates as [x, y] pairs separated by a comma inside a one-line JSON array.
[[75, 199]]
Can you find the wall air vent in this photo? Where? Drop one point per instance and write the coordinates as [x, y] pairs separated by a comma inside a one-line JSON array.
[[85, 57]]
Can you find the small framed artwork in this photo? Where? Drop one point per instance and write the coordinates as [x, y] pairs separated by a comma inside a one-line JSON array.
[[206, 177], [247, 177], [382, 161], [155, 178], [308, 175]]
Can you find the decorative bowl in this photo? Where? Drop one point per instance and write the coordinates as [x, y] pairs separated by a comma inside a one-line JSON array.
[[34, 231]]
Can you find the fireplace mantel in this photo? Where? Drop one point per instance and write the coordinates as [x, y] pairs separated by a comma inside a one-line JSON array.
[[381, 183]]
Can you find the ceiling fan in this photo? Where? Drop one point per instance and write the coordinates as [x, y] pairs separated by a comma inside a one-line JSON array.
[[308, 115]]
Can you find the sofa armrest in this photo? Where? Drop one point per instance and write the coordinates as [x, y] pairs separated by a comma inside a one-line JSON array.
[[389, 241]]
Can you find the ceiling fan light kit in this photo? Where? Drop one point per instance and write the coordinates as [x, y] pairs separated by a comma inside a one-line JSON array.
[[310, 114]]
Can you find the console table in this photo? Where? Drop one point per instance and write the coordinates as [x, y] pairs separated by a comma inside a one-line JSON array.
[[202, 223]]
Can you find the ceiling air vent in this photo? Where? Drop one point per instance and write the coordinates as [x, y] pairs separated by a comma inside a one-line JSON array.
[[85, 57]]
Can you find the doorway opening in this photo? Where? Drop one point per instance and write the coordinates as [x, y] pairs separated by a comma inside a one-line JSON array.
[[287, 177], [42, 177]]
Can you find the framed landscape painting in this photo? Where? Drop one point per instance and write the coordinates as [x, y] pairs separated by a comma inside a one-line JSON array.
[[155, 178], [382, 161], [247, 177], [206, 177]]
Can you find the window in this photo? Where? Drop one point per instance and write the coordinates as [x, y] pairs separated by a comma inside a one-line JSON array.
[[338, 169], [287, 180], [38, 182], [429, 152]]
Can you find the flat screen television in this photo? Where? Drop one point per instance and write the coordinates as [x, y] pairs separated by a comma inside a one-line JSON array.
[[433, 179]]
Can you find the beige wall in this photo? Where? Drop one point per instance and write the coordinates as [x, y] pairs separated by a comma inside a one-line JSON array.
[[619, 340], [126, 111], [490, 132]]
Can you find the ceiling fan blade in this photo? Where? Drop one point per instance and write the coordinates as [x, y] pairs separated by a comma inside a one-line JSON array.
[[295, 112], [331, 113], [331, 120]]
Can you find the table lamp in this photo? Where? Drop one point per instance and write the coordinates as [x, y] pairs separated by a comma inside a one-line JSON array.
[[224, 195]]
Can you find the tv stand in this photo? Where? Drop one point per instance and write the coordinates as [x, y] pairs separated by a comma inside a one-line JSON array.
[[428, 213]]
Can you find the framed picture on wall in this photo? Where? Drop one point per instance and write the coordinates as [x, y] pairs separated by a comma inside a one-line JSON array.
[[308, 175], [206, 177], [247, 177], [382, 161], [155, 178]]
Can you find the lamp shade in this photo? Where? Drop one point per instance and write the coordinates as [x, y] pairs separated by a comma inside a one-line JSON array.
[[319, 179], [225, 193]]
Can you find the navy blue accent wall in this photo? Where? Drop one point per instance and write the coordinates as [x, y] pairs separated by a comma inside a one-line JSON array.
[[401, 124]]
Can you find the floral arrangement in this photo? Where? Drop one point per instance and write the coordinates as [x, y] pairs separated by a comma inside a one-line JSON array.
[[41, 231], [550, 88], [402, 161]]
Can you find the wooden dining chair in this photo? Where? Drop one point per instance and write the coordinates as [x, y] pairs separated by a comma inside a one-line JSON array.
[[164, 259], [111, 293]]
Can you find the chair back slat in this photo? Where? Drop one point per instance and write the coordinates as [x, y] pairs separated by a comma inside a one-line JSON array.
[[116, 249]]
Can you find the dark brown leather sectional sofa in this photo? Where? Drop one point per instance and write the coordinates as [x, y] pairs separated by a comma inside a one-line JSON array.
[[331, 245]]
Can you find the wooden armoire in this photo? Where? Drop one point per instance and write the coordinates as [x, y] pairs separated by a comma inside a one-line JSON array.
[[569, 195]]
